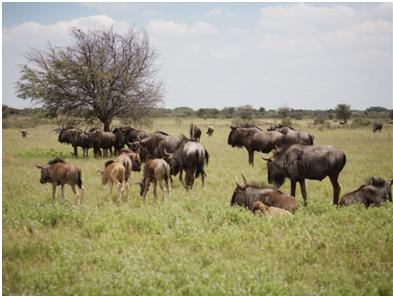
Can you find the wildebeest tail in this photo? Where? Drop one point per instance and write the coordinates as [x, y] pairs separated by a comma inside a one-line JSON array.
[[311, 139], [79, 179], [202, 156]]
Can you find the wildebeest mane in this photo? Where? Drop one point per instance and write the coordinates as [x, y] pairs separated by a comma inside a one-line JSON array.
[[377, 182], [56, 160], [108, 162], [163, 133], [260, 185]]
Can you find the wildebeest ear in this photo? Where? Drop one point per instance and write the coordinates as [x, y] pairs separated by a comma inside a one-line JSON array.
[[233, 127], [39, 166]]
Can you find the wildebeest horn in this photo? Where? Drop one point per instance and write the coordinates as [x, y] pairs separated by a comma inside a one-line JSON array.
[[39, 166], [266, 158], [244, 179], [233, 127], [166, 153]]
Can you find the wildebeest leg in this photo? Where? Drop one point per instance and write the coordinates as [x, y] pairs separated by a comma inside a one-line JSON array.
[[126, 192], [163, 189], [336, 189], [203, 178], [181, 178], [155, 189], [251, 157], [304, 193], [293, 188], [75, 151], [62, 191], [76, 194], [146, 188], [120, 191], [110, 191], [54, 191]]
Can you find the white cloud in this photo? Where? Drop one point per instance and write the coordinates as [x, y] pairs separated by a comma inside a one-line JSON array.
[[214, 12], [172, 28]]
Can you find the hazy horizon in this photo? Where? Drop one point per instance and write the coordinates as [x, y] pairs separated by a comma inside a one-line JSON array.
[[214, 55]]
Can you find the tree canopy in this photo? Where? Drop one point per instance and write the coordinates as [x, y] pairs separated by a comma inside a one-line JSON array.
[[101, 75], [343, 112]]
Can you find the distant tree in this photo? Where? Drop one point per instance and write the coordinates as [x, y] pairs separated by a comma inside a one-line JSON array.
[[343, 112], [245, 112], [283, 112], [376, 109], [102, 75], [184, 112], [228, 112], [391, 114], [261, 110]]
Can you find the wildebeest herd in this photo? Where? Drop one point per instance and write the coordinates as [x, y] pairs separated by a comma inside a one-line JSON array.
[[294, 156]]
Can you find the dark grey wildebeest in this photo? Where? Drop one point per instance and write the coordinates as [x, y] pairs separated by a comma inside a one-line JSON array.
[[377, 127], [300, 162], [58, 172], [210, 130], [254, 139], [195, 132], [191, 157], [292, 136], [102, 140], [67, 135], [375, 193]]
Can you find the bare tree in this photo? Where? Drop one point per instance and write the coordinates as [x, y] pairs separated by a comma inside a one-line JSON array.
[[102, 74]]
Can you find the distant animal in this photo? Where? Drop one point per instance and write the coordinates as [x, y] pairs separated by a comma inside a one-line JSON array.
[[254, 139], [102, 140], [292, 136], [58, 172], [156, 171], [274, 126], [377, 127], [375, 193], [260, 207], [83, 140], [67, 135], [210, 130], [250, 192], [24, 133], [195, 132], [114, 173], [299, 162], [191, 157], [343, 122]]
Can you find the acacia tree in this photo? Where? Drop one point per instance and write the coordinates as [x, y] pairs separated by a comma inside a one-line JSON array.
[[101, 75], [343, 112]]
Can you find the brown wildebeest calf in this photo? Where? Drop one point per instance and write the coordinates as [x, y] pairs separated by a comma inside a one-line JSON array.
[[267, 211], [130, 160], [155, 170], [114, 173], [58, 172], [210, 130]]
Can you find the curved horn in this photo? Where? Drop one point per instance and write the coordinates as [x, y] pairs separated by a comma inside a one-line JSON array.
[[39, 166], [166, 153], [244, 179], [266, 158]]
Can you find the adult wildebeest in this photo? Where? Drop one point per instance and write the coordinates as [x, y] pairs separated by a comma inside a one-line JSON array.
[[210, 130], [125, 136], [155, 145], [191, 157], [114, 173], [375, 193], [195, 132], [156, 171], [83, 140], [260, 207], [299, 162], [102, 140], [377, 127], [250, 192], [253, 139], [58, 172], [23, 133], [67, 135], [292, 136], [274, 127]]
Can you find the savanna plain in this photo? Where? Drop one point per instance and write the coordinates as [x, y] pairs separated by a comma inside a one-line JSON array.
[[193, 243]]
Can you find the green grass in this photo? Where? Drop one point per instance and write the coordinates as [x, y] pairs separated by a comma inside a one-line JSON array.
[[193, 243]]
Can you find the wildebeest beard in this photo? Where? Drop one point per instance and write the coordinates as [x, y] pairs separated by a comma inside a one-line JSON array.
[[44, 176], [275, 175], [235, 139]]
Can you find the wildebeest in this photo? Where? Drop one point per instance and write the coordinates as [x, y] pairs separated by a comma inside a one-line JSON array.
[[102, 140], [292, 136], [195, 132], [125, 136], [114, 173], [130, 161], [274, 126], [155, 145], [344, 122], [191, 157], [58, 172], [83, 140], [299, 162], [377, 127], [250, 192], [23, 133], [210, 130], [375, 193], [156, 171], [254, 139], [67, 135], [260, 207]]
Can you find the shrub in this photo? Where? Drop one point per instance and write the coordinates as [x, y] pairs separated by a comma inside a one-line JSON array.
[[286, 121], [360, 122]]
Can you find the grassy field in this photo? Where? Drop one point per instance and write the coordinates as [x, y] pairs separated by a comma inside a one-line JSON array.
[[193, 243]]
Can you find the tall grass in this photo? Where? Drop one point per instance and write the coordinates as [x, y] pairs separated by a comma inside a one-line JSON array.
[[193, 243]]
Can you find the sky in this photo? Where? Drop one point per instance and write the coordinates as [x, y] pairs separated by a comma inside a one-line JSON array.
[[297, 55]]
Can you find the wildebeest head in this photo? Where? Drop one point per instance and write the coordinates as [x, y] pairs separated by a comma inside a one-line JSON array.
[[173, 163], [384, 185], [45, 175], [275, 170], [236, 137], [136, 161]]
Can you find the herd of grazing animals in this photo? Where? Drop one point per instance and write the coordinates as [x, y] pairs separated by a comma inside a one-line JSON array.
[[294, 156]]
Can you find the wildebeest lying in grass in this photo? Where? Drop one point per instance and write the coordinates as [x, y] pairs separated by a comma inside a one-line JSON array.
[[58, 172], [254, 139], [260, 207], [375, 193], [195, 132], [210, 130], [156, 171], [299, 162], [190, 157], [114, 173], [250, 192]]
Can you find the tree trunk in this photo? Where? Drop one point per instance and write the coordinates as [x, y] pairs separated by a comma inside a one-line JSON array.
[[107, 125]]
